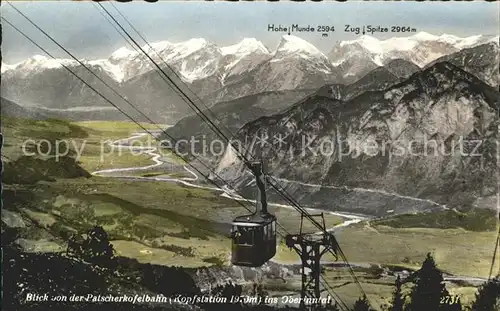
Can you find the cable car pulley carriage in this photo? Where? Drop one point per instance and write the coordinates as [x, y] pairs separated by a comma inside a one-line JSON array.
[[254, 235]]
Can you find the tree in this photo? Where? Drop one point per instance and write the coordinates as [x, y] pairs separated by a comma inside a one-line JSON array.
[[96, 247], [488, 296], [258, 291], [9, 237], [75, 243], [429, 287], [398, 300], [362, 304]]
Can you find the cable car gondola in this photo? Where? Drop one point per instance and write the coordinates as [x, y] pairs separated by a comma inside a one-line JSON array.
[[254, 235]]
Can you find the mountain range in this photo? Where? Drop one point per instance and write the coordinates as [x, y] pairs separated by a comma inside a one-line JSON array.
[[391, 93], [482, 61], [355, 154], [197, 58], [220, 74], [233, 114]]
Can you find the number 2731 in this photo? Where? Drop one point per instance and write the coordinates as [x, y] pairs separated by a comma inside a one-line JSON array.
[[450, 299]]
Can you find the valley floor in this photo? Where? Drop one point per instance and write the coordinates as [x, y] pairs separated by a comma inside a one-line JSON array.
[[167, 223]]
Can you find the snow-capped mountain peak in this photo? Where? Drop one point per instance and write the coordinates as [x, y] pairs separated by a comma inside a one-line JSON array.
[[44, 62], [198, 58], [424, 36], [458, 42], [241, 57], [126, 63], [292, 45], [122, 64], [376, 46], [6, 67], [186, 48], [122, 53], [421, 48], [115, 71], [367, 42], [245, 47], [495, 40], [35, 64], [157, 46]]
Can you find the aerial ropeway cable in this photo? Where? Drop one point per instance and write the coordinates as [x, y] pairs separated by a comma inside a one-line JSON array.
[[495, 251], [170, 82], [338, 299], [286, 196], [191, 103], [166, 65], [124, 113]]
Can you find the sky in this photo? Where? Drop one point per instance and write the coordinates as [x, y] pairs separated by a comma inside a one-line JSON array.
[[80, 27]]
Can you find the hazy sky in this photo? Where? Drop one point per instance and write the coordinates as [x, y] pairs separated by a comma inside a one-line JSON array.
[[83, 30]]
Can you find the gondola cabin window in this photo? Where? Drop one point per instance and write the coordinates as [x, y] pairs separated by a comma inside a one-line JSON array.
[[251, 235], [269, 231], [272, 230], [244, 235]]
